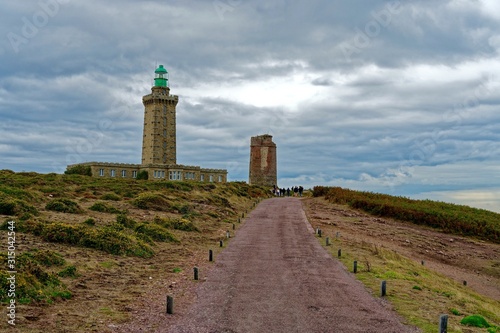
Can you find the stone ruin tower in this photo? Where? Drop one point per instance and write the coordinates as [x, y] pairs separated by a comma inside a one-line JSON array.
[[263, 161]]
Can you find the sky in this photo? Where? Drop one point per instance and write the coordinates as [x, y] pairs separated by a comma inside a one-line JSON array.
[[397, 97]]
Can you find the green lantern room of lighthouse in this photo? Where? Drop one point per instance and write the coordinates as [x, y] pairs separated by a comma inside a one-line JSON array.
[[161, 77]]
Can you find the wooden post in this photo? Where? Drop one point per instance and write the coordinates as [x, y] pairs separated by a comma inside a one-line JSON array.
[[383, 288], [195, 271], [355, 268], [210, 255], [339, 253], [443, 324], [170, 305], [221, 243], [327, 241]]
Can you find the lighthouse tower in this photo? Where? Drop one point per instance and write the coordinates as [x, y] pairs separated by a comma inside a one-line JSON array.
[[159, 136]]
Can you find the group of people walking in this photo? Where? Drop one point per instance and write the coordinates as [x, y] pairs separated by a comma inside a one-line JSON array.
[[282, 192]]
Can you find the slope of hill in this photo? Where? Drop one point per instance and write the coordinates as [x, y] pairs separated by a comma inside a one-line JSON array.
[[85, 247], [451, 218]]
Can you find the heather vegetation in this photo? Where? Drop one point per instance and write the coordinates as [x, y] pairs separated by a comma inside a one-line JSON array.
[[451, 218], [37, 278], [75, 212]]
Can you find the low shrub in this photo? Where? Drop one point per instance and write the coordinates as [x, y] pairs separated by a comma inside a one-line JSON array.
[[46, 258], [177, 224], [69, 271], [33, 282], [475, 321], [125, 221], [142, 175], [90, 221], [63, 206], [156, 232], [110, 196], [104, 208], [79, 170], [63, 233], [12, 206], [117, 242], [152, 201], [107, 239]]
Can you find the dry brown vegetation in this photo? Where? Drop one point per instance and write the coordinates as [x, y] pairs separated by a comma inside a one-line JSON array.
[[88, 250]]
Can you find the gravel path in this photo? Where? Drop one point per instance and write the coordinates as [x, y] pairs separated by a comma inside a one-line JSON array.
[[275, 277]]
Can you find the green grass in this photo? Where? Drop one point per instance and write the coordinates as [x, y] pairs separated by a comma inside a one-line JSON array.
[[34, 280], [104, 208], [64, 206], [110, 196], [416, 292], [69, 271]]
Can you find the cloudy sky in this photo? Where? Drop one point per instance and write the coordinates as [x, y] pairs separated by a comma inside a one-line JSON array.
[[399, 97]]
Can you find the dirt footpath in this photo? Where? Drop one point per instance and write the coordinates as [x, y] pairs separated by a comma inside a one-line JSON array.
[[275, 277]]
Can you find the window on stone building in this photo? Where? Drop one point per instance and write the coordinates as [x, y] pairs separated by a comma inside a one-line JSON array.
[[113, 173], [134, 174], [124, 173], [174, 175], [101, 172], [202, 178], [164, 121], [165, 133], [220, 179], [164, 110], [211, 179], [164, 144]]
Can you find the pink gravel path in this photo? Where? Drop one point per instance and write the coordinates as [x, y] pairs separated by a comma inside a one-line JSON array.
[[275, 277]]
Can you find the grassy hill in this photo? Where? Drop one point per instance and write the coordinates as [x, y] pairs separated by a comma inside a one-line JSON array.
[[451, 218], [87, 248], [71, 227]]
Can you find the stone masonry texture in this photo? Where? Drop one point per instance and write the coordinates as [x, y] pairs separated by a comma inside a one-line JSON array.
[[263, 164]]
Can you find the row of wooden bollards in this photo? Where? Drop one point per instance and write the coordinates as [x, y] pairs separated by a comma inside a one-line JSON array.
[[443, 319], [196, 271]]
